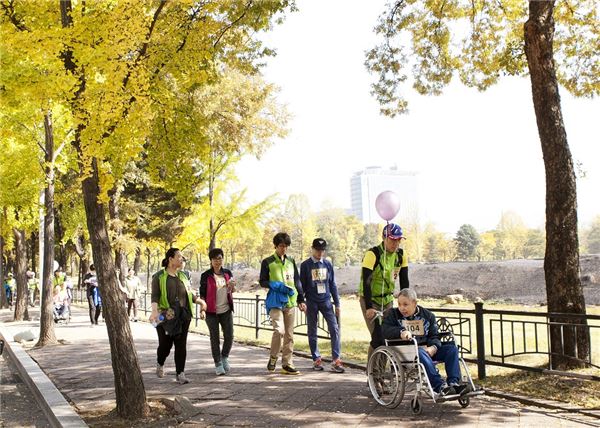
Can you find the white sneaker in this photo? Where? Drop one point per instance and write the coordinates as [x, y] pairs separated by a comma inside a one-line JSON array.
[[160, 371], [181, 379]]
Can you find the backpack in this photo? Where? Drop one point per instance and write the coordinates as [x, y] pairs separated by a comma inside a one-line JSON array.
[[377, 251]]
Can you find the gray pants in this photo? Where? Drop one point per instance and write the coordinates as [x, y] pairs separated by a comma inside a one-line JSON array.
[[225, 320]]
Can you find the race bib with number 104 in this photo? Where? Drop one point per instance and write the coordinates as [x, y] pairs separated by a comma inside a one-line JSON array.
[[415, 327]]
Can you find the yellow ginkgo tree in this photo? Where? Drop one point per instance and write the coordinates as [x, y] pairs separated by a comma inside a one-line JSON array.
[[123, 60]]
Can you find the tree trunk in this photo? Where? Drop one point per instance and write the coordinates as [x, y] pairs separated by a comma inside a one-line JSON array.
[[59, 234], [120, 256], [80, 249], [129, 386], [34, 245], [21, 312], [148, 255], [3, 299], [47, 335], [137, 262], [568, 345]]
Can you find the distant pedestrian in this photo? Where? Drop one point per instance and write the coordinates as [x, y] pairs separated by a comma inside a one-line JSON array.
[[280, 275], [32, 286], [318, 284], [216, 288], [185, 271], [132, 286], [10, 286], [93, 295], [173, 300]]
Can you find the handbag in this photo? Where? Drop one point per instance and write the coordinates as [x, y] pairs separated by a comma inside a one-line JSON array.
[[173, 322]]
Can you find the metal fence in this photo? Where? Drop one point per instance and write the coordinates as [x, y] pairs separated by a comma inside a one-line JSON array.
[[249, 312], [515, 339]]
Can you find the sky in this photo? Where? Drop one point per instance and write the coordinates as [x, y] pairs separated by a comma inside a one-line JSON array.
[[477, 153]]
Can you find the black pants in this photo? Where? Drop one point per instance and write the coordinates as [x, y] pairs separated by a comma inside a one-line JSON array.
[[130, 303], [166, 342], [213, 321], [95, 311]]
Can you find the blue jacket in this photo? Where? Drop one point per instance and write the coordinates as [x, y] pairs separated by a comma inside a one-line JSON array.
[[310, 269], [95, 293], [278, 295]]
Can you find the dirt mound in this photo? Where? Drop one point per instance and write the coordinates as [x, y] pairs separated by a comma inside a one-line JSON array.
[[519, 281]]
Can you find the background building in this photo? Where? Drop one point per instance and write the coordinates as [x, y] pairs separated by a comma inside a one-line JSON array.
[[365, 185]]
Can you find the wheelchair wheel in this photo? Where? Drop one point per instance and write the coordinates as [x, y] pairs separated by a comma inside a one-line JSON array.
[[416, 406], [464, 402], [386, 378]]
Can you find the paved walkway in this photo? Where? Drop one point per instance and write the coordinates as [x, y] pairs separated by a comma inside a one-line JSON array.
[[81, 370], [17, 403]]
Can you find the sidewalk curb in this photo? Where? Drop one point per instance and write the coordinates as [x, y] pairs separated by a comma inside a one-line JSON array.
[[546, 404], [58, 411]]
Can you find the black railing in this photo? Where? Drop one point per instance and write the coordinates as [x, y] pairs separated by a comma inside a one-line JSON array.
[[521, 340], [249, 312], [510, 336]]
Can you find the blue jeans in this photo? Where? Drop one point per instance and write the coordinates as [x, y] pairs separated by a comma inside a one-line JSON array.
[[448, 353], [312, 313]]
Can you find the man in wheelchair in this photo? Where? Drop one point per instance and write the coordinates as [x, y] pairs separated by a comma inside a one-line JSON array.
[[410, 320]]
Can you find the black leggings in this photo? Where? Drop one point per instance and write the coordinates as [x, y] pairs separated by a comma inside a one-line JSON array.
[[95, 311], [166, 342]]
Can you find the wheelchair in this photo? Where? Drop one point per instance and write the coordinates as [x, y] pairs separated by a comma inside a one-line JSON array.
[[61, 313], [395, 371]]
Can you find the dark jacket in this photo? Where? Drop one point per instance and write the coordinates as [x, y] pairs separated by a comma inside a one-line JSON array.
[[208, 289], [393, 326], [309, 286]]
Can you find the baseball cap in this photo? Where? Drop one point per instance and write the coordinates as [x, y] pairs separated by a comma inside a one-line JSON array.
[[319, 244], [392, 231]]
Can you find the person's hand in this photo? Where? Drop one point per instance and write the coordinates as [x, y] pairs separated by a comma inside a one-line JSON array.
[[406, 335], [302, 307], [202, 314], [337, 311], [431, 350], [371, 313], [231, 285], [153, 316]]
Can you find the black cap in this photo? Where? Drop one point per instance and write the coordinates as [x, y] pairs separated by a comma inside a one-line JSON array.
[[319, 244]]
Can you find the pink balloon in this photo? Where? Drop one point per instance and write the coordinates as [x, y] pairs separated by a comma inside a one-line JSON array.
[[387, 205]]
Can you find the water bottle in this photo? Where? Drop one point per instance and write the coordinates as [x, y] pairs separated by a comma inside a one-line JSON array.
[[161, 318]]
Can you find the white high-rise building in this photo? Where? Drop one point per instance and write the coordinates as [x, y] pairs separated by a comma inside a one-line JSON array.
[[365, 185]]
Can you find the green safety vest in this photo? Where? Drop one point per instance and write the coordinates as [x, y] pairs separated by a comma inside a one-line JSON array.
[[163, 303], [385, 272], [283, 272]]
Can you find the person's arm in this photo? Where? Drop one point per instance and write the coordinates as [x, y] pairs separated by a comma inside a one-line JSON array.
[[333, 287], [155, 297], [263, 278], [391, 327], [404, 278], [433, 338], [200, 301], [298, 285], [304, 278], [368, 266], [203, 284], [403, 270]]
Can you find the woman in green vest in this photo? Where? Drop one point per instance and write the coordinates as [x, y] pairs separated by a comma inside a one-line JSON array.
[[172, 307]]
